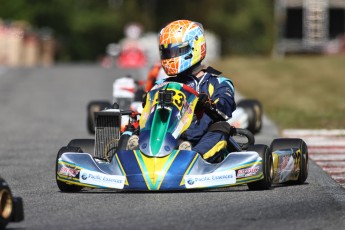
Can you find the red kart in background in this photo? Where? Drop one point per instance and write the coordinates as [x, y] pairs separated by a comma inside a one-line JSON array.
[[131, 57]]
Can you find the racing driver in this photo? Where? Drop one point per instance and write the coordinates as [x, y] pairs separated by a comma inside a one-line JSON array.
[[182, 47]]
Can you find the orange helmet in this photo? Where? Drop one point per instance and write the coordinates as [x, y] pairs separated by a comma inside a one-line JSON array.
[[182, 45]]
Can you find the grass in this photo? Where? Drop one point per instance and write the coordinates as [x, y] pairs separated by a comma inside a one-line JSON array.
[[296, 92]]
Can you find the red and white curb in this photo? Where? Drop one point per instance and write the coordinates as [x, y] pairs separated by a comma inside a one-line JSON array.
[[326, 148]]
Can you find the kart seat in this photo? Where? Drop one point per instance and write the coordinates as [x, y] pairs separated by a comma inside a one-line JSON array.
[[228, 131], [221, 126]]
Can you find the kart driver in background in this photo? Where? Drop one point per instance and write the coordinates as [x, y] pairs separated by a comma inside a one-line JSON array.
[[182, 48]]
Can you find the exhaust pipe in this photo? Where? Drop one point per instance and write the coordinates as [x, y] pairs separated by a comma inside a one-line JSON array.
[[11, 208]]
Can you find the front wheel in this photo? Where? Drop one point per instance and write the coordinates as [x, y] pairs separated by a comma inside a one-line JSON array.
[[267, 167], [11, 208], [63, 186], [6, 204], [301, 156]]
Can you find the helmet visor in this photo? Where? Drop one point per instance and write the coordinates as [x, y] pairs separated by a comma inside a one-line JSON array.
[[174, 50]]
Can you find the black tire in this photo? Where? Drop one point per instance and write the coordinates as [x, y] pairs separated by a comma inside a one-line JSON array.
[[6, 204], [92, 107], [86, 145], [267, 165], [287, 143], [64, 187], [18, 209], [254, 110]]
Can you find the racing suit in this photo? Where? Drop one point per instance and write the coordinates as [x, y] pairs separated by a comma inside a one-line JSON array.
[[221, 91]]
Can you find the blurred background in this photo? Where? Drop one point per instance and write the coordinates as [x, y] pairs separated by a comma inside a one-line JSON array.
[[80, 30], [269, 43]]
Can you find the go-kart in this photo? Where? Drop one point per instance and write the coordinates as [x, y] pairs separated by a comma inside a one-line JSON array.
[[157, 163], [248, 115], [11, 208], [128, 95], [131, 57]]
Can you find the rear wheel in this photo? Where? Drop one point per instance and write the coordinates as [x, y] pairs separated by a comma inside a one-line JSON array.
[[267, 167], [301, 156], [253, 108], [63, 186], [92, 107]]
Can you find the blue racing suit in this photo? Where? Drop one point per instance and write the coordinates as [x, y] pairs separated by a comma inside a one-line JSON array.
[[221, 91]]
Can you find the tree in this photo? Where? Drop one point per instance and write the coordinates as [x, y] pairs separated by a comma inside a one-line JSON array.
[[84, 27]]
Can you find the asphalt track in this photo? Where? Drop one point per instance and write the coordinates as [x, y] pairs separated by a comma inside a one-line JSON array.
[[42, 109]]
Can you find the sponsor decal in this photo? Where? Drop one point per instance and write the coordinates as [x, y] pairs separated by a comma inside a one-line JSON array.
[[186, 108], [67, 171], [184, 119], [180, 126], [167, 148], [101, 179], [84, 176], [209, 180], [284, 162], [247, 172], [190, 181], [285, 169]]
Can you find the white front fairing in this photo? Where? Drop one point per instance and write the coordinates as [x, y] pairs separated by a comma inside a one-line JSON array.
[[133, 170]]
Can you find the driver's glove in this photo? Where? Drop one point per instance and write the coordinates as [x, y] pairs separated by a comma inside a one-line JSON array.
[[205, 102]]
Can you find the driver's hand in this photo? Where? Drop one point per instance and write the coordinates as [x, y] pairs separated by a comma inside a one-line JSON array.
[[205, 102]]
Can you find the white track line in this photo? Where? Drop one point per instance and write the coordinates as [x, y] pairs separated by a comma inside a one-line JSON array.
[[326, 148]]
